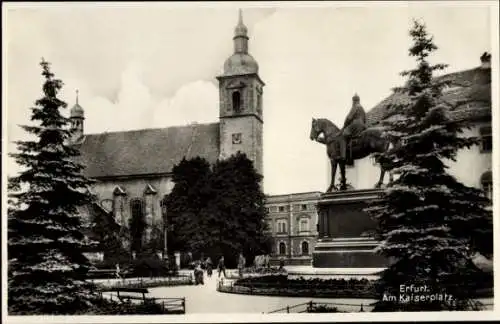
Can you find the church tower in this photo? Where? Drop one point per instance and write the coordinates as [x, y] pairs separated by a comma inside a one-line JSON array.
[[77, 117], [240, 97]]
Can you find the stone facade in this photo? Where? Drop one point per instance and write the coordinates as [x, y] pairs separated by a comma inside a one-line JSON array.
[[116, 195], [292, 223]]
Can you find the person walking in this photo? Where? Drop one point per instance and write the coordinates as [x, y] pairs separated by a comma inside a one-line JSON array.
[[209, 267], [118, 271], [241, 265], [222, 267]]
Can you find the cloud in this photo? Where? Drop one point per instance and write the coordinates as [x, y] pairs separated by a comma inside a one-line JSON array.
[[150, 66]]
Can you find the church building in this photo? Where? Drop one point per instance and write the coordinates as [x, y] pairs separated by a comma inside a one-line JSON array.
[[132, 169]]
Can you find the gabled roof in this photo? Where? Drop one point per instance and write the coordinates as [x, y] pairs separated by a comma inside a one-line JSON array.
[[147, 151], [468, 96]]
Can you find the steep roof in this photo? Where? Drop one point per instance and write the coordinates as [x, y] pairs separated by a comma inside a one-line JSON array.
[[468, 96], [147, 151]]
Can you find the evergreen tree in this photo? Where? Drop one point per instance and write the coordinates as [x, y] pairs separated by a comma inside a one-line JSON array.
[[429, 222], [47, 269]]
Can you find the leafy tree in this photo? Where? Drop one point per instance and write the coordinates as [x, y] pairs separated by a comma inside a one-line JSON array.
[[185, 203], [235, 215], [427, 218], [217, 212], [46, 266]]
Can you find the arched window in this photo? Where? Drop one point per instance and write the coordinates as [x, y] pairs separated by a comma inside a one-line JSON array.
[[137, 206], [137, 223], [305, 247], [163, 206], [487, 184], [282, 248], [304, 225], [137, 210], [237, 101]]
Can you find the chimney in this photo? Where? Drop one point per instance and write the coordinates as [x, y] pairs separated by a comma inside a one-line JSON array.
[[486, 61]]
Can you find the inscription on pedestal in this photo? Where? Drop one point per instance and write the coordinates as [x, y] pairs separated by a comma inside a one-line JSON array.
[[346, 231]]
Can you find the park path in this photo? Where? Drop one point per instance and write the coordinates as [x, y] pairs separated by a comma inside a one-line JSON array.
[[206, 299]]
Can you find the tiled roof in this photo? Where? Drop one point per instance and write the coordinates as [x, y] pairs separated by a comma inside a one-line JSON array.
[[468, 96], [147, 151]]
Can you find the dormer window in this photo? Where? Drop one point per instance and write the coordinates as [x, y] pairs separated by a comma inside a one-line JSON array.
[[451, 88], [486, 139], [487, 184], [237, 101]]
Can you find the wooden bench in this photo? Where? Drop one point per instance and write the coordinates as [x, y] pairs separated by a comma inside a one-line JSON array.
[[129, 294]]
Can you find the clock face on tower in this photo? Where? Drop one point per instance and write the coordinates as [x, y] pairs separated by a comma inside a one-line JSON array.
[[236, 138]]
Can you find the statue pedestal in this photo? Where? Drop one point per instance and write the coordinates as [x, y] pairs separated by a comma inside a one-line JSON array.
[[346, 231]]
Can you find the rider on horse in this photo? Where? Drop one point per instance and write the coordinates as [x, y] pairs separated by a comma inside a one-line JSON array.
[[354, 124]]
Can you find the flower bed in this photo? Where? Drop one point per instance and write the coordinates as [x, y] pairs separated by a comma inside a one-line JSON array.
[[280, 285], [297, 291], [255, 272]]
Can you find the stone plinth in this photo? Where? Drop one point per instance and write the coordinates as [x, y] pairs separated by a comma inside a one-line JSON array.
[[346, 231]]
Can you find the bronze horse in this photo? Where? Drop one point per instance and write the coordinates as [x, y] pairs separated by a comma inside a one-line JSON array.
[[368, 142]]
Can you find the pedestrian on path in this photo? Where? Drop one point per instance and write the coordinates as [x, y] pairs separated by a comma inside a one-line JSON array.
[[118, 271], [241, 265], [222, 267], [209, 267]]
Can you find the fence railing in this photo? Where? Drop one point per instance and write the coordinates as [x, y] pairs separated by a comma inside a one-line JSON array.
[[142, 282], [312, 305], [169, 305]]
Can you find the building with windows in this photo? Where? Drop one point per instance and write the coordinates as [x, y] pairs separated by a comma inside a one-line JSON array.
[[468, 97], [292, 224], [133, 169]]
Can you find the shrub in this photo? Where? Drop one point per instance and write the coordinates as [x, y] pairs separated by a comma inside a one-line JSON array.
[[151, 267], [109, 307]]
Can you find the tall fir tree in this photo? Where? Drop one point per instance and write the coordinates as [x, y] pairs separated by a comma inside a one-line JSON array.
[[429, 223], [47, 268]]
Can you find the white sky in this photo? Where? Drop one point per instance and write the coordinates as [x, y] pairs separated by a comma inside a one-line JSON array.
[[152, 65]]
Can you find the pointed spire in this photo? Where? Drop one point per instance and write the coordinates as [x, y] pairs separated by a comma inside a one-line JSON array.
[[240, 17], [240, 30], [77, 96]]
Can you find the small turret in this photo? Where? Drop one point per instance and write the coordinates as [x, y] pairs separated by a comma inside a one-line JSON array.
[[486, 61], [77, 117]]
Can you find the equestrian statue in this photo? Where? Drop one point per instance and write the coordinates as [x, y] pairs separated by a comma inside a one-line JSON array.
[[353, 142]]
